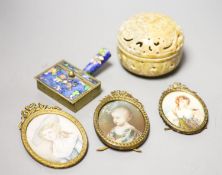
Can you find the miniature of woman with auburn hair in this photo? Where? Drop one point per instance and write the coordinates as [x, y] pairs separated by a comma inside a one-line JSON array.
[[186, 115]]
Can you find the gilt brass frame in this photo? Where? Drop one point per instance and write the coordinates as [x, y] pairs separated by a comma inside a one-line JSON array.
[[34, 110], [178, 87], [122, 96]]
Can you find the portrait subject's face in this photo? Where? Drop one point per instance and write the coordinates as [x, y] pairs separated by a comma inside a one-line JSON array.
[[182, 101], [49, 134], [120, 116]]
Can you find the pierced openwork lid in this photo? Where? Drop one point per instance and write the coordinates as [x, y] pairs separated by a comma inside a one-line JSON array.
[[150, 35]]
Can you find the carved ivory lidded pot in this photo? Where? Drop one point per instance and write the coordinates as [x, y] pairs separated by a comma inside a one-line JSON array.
[[150, 44]]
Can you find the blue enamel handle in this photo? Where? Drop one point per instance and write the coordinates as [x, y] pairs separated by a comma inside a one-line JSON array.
[[101, 57]]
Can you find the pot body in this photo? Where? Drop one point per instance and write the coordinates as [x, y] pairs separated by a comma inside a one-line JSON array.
[[149, 67], [150, 44]]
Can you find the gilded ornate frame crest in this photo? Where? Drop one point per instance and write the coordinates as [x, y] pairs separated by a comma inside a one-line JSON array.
[[35, 110], [126, 97], [178, 87]]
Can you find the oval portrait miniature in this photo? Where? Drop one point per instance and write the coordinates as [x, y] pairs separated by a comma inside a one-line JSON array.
[[183, 110], [121, 122], [52, 137]]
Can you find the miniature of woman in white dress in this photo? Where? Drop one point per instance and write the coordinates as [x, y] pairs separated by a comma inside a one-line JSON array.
[[123, 132], [188, 117], [55, 143]]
